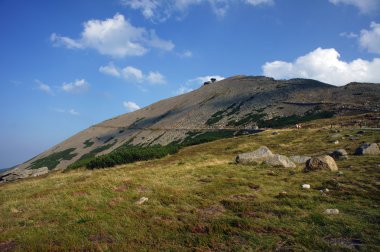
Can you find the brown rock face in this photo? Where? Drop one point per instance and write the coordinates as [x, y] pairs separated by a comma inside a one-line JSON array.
[[321, 163]]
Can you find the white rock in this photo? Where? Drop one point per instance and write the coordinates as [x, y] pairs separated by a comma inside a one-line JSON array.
[[306, 186], [141, 200], [331, 211]]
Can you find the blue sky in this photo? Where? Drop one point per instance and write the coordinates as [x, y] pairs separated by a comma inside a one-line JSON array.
[[66, 65]]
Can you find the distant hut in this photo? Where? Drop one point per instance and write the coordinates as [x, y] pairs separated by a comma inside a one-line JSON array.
[[213, 80]]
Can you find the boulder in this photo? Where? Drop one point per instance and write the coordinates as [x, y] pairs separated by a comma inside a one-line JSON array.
[[299, 159], [321, 163], [255, 157], [279, 160], [339, 154], [368, 149]]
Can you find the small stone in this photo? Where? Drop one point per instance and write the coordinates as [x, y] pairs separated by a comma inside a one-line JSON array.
[[14, 210], [340, 174], [336, 135], [272, 173], [326, 190], [283, 194], [331, 211], [336, 142], [306, 186], [142, 200], [275, 133]]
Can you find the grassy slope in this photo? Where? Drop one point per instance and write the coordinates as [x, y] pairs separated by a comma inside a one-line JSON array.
[[199, 199]]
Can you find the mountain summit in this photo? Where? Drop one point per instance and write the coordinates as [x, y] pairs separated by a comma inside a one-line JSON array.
[[235, 104]]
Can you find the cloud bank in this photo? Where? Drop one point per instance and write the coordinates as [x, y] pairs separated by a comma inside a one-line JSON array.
[[325, 65]]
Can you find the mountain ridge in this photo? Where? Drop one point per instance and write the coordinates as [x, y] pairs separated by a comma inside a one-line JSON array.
[[235, 103]]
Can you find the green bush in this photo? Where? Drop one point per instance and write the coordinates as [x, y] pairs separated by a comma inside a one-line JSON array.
[[53, 160], [131, 154], [88, 143], [279, 122], [86, 158]]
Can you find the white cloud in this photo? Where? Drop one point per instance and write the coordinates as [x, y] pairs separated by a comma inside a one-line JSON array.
[[114, 37], [155, 78], [110, 70], [349, 35], [63, 111], [183, 90], [370, 39], [44, 87], [258, 2], [130, 73], [77, 86], [200, 80], [73, 112], [159, 11], [324, 65], [185, 54], [364, 6], [131, 106]]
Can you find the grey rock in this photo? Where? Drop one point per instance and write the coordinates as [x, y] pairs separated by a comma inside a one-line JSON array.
[[336, 136], [368, 149], [279, 160], [331, 211], [299, 159], [321, 163], [255, 157], [339, 154]]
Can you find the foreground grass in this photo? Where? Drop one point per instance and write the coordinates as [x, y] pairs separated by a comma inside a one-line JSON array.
[[199, 199]]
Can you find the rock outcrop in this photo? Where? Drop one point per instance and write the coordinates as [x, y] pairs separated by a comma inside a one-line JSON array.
[[21, 173]]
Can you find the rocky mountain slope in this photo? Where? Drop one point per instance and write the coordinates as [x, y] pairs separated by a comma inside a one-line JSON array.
[[236, 103]]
